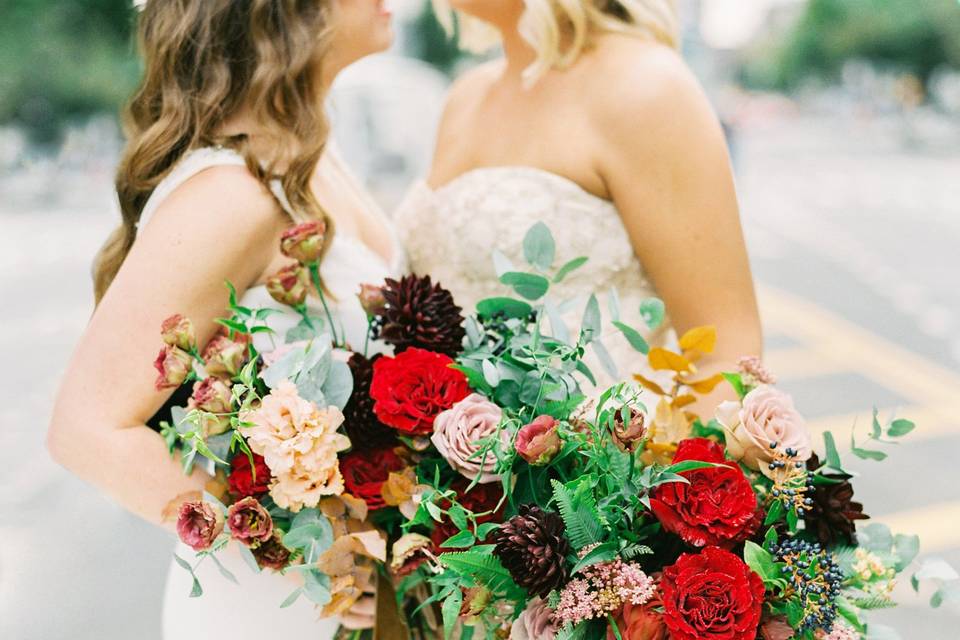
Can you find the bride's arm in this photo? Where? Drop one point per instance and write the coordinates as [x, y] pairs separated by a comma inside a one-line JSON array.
[[220, 225], [665, 162]]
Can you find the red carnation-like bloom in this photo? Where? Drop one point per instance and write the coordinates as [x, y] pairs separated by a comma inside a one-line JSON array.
[[364, 473], [718, 507], [241, 480], [482, 498], [711, 595], [411, 389]]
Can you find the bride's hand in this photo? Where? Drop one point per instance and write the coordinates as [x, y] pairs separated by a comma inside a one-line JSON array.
[[362, 615]]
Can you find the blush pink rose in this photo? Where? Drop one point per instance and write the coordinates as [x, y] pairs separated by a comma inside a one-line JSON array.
[[538, 441], [198, 524], [766, 418], [458, 430]]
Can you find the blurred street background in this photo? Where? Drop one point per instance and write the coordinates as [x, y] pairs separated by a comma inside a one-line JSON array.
[[844, 123]]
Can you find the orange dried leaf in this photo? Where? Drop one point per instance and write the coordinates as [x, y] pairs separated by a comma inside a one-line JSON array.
[[707, 384], [649, 384], [699, 340], [683, 401], [661, 360]]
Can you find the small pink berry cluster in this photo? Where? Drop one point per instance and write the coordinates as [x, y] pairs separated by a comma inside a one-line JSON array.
[[603, 589], [840, 631], [752, 368]]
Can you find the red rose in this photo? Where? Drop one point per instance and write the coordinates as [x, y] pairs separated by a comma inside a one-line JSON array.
[[411, 389], [364, 473], [482, 498], [712, 595], [241, 480], [718, 507]]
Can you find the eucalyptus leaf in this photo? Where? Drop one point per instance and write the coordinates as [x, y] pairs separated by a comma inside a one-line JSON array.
[[249, 558], [501, 263], [510, 307], [539, 247], [613, 304], [316, 586], [633, 336], [290, 599], [590, 326], [490, 373], [338, 386], [900, 428], [223, 570], [606, 360], [527, 285], [569, 268], [557, 326], [653, 311]]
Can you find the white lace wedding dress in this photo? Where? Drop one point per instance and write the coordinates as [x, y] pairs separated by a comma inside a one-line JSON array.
[[450, 233], [251, 609]]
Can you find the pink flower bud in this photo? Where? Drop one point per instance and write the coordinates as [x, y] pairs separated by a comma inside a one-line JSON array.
[[249, 522], [223, 357], [538, 441], [289, 286], [178, 331], [174, 365], [214, 398], [304, 242], [371, 299], [627, 435], [199, 524]]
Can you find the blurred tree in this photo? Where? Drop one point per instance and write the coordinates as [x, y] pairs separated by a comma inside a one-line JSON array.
[[909, 35], [429, 42], [63, 59]]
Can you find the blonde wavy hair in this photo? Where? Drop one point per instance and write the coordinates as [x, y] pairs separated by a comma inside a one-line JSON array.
[[560, 30], [204, 61]]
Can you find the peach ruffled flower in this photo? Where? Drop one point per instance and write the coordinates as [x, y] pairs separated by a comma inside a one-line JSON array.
[[299, 443]]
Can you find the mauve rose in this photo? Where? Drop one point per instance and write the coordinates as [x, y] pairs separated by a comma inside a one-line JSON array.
[[289, 285], [766, 417], [214, 398], [174, 365], [249, 522], [535, 623], [409, 552], [304, 242], [178, 331], [456, 433], [538, 441], [272, 554], [224, 357], [199, 524], [371, 299], [628, 434]]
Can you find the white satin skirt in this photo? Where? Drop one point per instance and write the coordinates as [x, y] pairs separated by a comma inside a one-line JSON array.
[[249, 610]]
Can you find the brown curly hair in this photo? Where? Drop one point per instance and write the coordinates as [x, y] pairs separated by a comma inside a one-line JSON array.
[[204, 61]]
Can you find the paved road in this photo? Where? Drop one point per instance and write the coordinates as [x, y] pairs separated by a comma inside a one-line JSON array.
[[853, 239]]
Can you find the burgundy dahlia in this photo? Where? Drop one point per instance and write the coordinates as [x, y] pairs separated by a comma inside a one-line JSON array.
[[834, 513], [532, 547], [421, 314], [359, 420]]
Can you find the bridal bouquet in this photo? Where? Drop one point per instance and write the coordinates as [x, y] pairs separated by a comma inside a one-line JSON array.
[[272, 426], [534, 512]]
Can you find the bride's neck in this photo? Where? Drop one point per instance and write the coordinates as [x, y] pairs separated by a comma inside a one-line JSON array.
[[517, 52]]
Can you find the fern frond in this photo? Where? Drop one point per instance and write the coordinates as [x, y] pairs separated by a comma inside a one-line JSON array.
[[579, 511]]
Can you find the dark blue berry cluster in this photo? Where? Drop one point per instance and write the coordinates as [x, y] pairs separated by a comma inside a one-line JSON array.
[[814, 578]]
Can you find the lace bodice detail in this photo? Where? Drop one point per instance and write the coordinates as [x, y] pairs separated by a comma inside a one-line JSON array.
[[451, 233]]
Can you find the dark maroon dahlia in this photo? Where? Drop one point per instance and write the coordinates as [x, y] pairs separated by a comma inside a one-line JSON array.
[[532, 547], [421, 314], [365, 431], [833, 515]]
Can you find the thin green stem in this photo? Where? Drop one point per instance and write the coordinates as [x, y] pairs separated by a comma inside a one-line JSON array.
[[613, 625], [315, 277]]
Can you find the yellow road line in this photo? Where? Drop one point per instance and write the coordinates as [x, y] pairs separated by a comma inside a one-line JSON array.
[[832, 337]]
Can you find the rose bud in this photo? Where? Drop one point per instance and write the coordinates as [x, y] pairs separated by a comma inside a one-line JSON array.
[[627, 435], [371, 299], [214, 398], [249, 522], [304, 242], [289, 285], [174, 365], [272, 554], [178, 331], [223, 357], [538, 441], [199, 524], [409, 552]]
